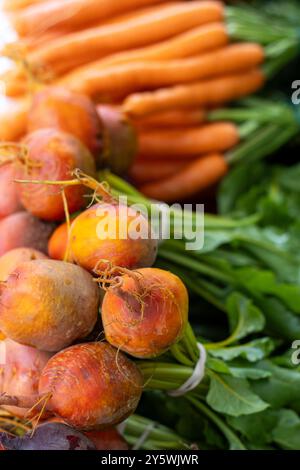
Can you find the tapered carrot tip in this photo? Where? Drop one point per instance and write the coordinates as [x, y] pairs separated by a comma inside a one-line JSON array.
[[115, 233], [112, 386], [147, 314], [194, 178], [48, 304], [53, 155], [70, 112]]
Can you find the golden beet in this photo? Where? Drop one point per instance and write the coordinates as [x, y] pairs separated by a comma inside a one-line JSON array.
[[10, 260], [70, 112], [107, 231], [91, 386], [146, 312], [53, 156], [48, 304], [58, 242]]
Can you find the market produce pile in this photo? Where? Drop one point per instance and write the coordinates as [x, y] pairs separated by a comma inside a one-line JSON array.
[[122, 341]]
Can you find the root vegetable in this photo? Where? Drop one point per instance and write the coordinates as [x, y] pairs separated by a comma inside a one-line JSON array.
[[109, 439], [52, 156], [70, 112], [146, 312], [49, 436], [121, 139], [24, 230], [10, 260], [90, 44], [123, 79], [72, 14], [58, 242], [21, 371], [114, 233], [193, 178], [190, 43], [91, 386], [9, 197], [20, 4], [13, 118], [188, 143], [176, 118], [48, 304], [205, 93], [144, 171]]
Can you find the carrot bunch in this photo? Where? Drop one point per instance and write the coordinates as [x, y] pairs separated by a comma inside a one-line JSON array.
[[164, 64]]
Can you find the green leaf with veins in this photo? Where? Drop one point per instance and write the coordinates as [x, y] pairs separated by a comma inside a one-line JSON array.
[[244, 317], [233, 396], [281, 389], [258, 427], [253, 351], [287, 432], [265, 282]]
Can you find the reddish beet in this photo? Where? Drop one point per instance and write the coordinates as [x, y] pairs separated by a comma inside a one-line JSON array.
[[70, 112], [91, 386], [24, 230], [48, 304], [108, 439], [121, 139], [106, 231], [48, 436], [9, 197], [146, 312], [53, 156], [20, 370], [10, 260]]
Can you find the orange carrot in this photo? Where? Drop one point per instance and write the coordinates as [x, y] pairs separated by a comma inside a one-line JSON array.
[[196, 177], [209, 92], [198, 40], [170, 119], [145, 171], [195, 41], [11, 5], [187, 143], [123, 79], [90, 44], [71, 14], [13, 118], [138, 12]]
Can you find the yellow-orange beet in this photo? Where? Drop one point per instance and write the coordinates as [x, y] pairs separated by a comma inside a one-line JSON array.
[[58, 242], [53, 156], [48, 304], [146, 312], [91, 386], [70, 112], [107, 232], [20, 373], [10, 260]]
